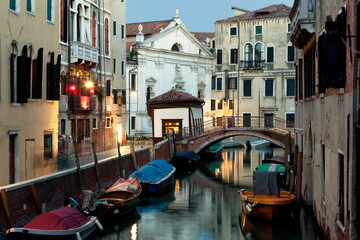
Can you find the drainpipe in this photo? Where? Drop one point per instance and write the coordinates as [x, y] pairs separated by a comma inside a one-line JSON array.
[[238, 93]]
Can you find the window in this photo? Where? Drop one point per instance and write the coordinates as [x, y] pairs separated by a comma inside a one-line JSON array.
[[247, 88], [291, 54], [108, 122], [219, 56], [233, 31], [48, 146], [175, 48], [122, 31], [122, 68], [107, 47], [290, 120], [213, 105], [63, 21], [309, 72], [114, 65], [173, 125], [148, 93], [114, 28], [30, 6], [270, 55], [258, 29], [220, 104], [133, 121], [232, 83], [233, 56], [14, 5], [259, 55], [231, 104], [49, 11], [53, 78], [248, 55], [290, 87], [218, 84], [289, 27], [62, 126], [108, 87], [213, 80], [72, 128], [269, 88], [133, 82], [94, 123]]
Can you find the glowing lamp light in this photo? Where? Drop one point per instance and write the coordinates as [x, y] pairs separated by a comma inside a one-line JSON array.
[[72, 87], [92, 91], [89, 84]]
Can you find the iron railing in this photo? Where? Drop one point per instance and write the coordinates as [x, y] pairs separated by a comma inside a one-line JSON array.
[[242, 122], [252, 64]]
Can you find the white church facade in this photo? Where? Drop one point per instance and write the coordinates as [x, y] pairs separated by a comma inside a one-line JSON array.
[[163, 55]]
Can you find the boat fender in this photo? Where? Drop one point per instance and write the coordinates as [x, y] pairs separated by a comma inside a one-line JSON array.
[[78, 236], [248, 207], [241, 191], [246, 199], [132, 188], [99, 225]]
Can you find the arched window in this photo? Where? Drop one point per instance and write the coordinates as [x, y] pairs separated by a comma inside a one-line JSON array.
[[175, 48], [78, 19], [148, 93], [259, 55], [248, 55], [107, 36], [199, 94], [93, 23]]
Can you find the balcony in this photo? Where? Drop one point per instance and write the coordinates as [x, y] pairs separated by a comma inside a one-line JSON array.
[[84, 53], [82, 103], [252, 64], [302, 22]]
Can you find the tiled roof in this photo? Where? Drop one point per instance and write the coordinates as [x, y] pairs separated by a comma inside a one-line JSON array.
[[201, 36], [174, 96], [128, 46], [149, 28], [273, 11]]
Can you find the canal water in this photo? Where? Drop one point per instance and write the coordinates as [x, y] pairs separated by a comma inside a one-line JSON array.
[[205, 204]]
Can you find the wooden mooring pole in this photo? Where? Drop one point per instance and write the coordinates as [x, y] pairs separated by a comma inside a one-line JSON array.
[[96, 166], [77, 163], [36, 199], [6, 208]]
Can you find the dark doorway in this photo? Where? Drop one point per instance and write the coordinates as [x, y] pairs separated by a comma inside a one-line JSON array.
[[269, 120]]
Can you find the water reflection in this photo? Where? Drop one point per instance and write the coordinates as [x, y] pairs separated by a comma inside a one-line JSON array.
[[205, 205]]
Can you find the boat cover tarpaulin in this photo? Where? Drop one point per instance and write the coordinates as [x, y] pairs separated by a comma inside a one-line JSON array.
[[123, 185], [265, 168], [266, 183], [188, 154], [153, 172], [64, 218]]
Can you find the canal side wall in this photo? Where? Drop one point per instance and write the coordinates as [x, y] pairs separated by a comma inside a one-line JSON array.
[[53, 189]]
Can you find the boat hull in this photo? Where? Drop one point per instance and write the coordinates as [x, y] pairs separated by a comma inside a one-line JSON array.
[[267, 206], [164, 186], [86, 231]]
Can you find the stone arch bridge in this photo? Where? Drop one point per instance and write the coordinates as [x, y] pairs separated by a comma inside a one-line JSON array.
[[276, 130]]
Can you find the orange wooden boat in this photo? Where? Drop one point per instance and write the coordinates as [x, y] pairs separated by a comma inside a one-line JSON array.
[[267, 206]]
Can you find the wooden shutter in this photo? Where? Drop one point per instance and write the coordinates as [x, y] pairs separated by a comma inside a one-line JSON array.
[[358, 30], [49, 77], [12, 76], [56, 79], [22, 78], [38, 67], [108, 87], [331, 65]]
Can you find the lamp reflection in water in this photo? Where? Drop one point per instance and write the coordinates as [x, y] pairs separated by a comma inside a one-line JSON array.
[[134, 232]]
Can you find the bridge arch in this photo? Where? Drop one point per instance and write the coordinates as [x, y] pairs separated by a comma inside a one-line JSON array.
[[209, 141]]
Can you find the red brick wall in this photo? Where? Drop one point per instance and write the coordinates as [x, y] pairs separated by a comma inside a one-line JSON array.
[[55, 188], [162, 150]]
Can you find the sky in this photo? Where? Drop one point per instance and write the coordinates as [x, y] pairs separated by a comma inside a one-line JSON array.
[[197, 15]]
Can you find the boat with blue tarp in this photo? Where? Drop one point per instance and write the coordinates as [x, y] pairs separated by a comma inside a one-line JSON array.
[[155, 177], [185, 159]]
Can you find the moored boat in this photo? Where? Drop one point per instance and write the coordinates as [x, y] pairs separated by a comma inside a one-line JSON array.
[[155, 177], [118, 198], [64, 223], [185, 159], [267, 201], [213, 153]]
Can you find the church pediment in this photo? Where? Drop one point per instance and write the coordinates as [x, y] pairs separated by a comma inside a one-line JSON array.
[[151, 81]]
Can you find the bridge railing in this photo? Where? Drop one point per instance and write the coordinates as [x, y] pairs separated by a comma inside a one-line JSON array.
[[243, 122]]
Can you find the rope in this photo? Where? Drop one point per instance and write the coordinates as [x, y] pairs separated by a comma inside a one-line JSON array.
[[349, 47]]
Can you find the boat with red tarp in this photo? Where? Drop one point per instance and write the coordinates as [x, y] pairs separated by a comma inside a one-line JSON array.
[[118, 198], [64, 223]]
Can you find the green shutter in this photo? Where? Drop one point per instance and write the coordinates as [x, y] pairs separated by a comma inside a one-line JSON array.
[[258, 29], [49, 7], [114, 28], [122, 32], [28, 5], [13, 5], [270, 55]]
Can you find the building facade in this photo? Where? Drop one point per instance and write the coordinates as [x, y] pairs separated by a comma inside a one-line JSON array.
[[163, 55], [325, 34], [29, 92], [92, 43], [254, 67]]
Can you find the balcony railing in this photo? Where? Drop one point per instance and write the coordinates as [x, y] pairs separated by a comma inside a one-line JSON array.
[[252, 64], [82, 103], [81, 51]]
